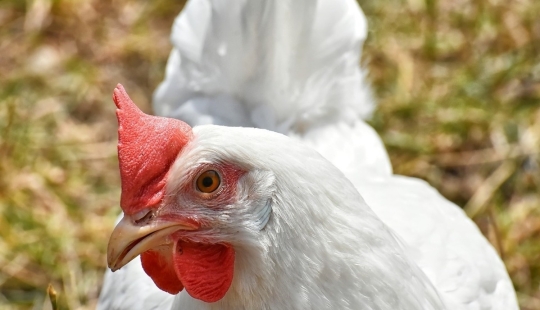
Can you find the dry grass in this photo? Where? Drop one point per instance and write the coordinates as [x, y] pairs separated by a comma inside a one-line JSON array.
[[458, 83]]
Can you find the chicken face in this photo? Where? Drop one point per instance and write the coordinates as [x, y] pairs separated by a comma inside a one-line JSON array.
[[187, 205]]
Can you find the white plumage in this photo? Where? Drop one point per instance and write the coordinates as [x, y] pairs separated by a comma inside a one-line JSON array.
[[292, 67]]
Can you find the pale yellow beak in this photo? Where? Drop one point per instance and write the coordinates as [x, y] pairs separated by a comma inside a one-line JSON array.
[[128, 240]]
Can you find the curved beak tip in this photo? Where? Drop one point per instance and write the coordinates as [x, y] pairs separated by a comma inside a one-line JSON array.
[[128, 240]]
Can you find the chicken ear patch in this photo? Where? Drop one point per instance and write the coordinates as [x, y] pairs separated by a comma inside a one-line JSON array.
[[158, 265], [147, 147], [206, 270]]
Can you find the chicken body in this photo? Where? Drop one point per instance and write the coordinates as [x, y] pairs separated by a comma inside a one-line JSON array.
[[323, 246], [291, 67]]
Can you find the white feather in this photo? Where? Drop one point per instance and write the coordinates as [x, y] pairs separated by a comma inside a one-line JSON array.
[[291, 66], [131, 288], [322, 248], [287, 66], [442, 240], [295, 60]]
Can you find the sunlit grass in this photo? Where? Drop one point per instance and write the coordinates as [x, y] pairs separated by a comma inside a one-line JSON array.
[[458, 85]]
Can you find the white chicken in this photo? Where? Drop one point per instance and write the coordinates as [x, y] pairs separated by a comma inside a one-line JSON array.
[[283, 228]]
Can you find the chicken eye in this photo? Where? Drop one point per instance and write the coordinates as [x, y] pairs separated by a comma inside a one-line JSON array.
[[208, 181]]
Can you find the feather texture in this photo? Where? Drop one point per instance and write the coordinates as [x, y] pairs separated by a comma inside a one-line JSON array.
[[291, 66], [285, 64], [443, 242]]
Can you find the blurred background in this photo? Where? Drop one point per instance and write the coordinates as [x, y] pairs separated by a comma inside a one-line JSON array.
[[458, 87]]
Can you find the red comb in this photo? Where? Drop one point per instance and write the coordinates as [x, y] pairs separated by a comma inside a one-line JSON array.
[[147, 147]]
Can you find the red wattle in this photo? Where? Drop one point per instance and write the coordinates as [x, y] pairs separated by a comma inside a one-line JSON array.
[[206, 270], [158, 265]]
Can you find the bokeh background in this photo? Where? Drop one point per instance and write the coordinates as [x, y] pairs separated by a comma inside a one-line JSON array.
[[458, 86]]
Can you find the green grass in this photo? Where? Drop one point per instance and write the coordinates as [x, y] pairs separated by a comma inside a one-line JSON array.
[[458, 85]]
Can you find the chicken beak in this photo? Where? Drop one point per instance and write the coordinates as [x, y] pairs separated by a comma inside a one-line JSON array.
[[128, 240]]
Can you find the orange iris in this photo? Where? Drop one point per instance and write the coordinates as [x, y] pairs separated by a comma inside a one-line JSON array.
[[208, 181]]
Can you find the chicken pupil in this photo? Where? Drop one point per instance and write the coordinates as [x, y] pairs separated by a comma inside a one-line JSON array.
[[207, 182]]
